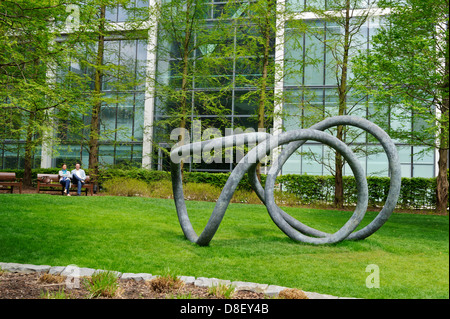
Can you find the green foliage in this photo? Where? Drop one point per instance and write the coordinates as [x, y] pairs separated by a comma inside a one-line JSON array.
[[406, 71], [168, 282], [222, 291], [102, 284], [124, 186], [416, 192], [60, 294]]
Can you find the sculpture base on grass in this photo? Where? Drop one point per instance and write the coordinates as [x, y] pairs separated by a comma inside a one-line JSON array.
[[291, 140]]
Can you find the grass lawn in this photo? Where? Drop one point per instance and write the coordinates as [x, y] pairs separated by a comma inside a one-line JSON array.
[[132, 234]]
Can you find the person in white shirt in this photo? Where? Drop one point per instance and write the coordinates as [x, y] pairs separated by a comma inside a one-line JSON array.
[[64, 179], [78, 178]]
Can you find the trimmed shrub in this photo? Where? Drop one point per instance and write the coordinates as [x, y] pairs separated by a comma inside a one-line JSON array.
[[416, 192], [125, 186]]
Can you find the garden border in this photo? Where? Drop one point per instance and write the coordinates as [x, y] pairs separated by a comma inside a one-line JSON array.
[[268, 290]]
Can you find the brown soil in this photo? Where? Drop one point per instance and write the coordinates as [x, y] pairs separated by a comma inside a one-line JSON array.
[[41, 286]]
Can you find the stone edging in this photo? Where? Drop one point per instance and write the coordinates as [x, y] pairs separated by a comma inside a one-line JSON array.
[[268, 290]]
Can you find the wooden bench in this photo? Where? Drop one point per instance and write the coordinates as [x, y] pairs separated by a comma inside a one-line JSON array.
[[9, 179], [52, 180]]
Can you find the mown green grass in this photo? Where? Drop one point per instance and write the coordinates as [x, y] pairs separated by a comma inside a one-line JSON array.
[[131, 234]]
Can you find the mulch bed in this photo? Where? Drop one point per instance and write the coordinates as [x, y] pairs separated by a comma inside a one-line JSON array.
[[37, 286]]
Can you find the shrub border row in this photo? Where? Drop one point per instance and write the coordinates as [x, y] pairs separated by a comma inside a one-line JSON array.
[[416, 192]]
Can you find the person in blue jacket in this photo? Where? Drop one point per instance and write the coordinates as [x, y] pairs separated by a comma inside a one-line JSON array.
[[64, 178]]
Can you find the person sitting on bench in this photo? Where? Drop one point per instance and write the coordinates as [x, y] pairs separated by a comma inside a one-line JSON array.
[[78, 177], [64, 179]]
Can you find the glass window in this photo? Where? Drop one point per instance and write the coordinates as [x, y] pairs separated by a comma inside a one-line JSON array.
[[317, 4], [329, 159], [404, 153], [122, 154], [10, 158], [293, 117], [125, 117], [313, 107], [331, 102], [111, 13], [68, 154], [311, 164], [293, 164], [108, 119], [297, 5], [85, 157], [111, 61], [213, 72], [137, 155], [141, 64], [406, 170], [247, 122], [294, 57], [139, 116], [243, 104], [399, 121], [362, 160], [423, 155], [106, 155], [122, 14], [377, 162], [128, 55], [314, 50], [426, 171]]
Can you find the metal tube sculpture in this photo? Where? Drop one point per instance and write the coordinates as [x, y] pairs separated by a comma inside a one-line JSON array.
[[292, 141]]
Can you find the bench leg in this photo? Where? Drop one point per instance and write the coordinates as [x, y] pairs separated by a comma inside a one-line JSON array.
[[37, 191], [12, 189]]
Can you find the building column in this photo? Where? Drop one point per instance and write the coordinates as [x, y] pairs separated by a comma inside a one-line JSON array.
[[149, 104], [46, 153], [279, 75], [48, 133]]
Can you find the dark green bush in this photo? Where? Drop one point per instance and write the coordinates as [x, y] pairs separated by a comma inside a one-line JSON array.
[[415, 192]]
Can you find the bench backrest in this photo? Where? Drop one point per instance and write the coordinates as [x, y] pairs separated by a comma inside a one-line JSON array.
[[55, 177], [7, 176], [52, 177]]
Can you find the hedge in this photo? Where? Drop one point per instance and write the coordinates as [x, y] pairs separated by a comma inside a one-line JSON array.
[[416, 192]]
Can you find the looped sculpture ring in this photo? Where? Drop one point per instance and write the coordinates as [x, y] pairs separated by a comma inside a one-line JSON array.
[[292, 141]]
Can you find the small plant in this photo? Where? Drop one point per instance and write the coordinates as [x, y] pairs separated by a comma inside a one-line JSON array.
[[292, 293], [123, 186], [51, 279], [161, 189], [103, 283], [222, 291], [60, 294], [182, 296], [166, 283]]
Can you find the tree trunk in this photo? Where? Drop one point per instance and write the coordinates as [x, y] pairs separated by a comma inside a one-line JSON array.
[[442, 179], [442, 183], [94, 128], [184, 77], [342, 91], [266, 32], [28, 151]]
